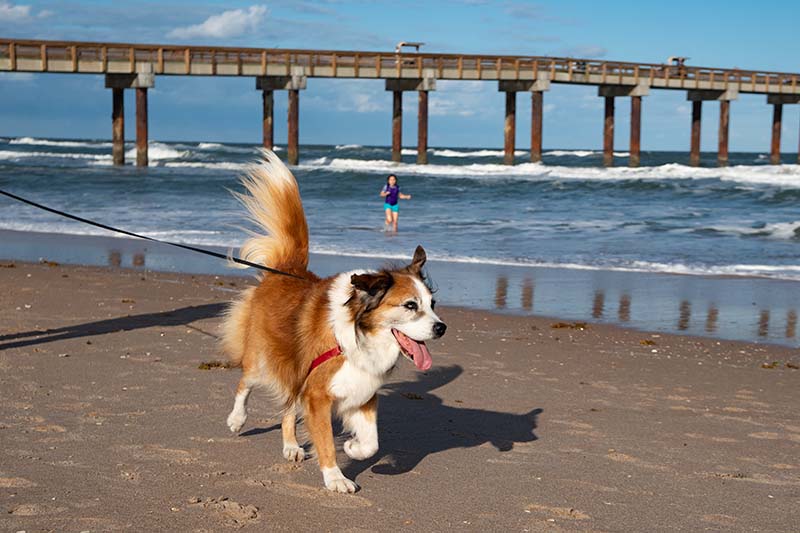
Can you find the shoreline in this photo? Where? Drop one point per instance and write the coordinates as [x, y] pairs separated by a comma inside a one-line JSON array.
[[110, 420], [751, 309]]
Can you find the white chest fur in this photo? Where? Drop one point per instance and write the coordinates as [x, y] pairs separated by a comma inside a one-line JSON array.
[[353, 387]]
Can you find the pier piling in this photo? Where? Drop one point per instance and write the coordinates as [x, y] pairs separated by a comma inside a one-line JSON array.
[[775, 147], [608, 133], [537, 101], [724, 114], [510, 128], [636, 131], [141, 127], [422, 129], [397, 126], [694, 151], [118, 126], [268, 104], [293, 134]]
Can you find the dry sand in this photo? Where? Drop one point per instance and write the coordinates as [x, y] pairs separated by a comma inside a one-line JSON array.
[[108, 423]]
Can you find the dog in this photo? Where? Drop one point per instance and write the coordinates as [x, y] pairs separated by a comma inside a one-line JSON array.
[[321, 345]]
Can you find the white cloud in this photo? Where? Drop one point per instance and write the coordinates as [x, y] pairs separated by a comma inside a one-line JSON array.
[[231, 23], [361, 102], [11, 13]]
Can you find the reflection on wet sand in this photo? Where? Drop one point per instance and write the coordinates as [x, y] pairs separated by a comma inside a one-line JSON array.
[[684, 315], [527, 294], [501, 292], [624, 311], [763, 323], [114, 258], [598, 304], [711, 318], [791, 323]]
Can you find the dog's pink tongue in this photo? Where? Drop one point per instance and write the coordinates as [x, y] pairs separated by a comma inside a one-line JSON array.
[[418, 350]]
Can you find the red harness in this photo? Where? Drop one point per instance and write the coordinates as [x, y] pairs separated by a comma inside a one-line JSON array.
[[330, 354]]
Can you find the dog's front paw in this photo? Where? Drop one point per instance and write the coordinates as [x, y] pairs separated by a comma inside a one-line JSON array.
[[294, 453], [358, 450], [336, 482], [236, 421]]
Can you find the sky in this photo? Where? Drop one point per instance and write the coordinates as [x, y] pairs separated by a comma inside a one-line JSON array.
[[733, 33]]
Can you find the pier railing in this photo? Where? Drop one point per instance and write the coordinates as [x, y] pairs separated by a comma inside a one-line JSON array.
[[114, 58]]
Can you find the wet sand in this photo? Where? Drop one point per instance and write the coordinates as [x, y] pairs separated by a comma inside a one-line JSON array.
[[524, 423]]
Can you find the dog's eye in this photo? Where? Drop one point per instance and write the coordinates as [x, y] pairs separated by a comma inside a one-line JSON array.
[[411, 306]]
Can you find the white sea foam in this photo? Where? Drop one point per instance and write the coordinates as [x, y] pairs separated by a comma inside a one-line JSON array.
[[785, 176], [348, 146], [157, 151], [219, 165], [31, 141], [14, 154], [581, 153], [217, 147]]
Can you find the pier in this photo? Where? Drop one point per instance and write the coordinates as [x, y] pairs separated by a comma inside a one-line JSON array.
[[136, 66]]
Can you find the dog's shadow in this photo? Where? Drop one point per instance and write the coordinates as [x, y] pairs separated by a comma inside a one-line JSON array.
[[413, 423]]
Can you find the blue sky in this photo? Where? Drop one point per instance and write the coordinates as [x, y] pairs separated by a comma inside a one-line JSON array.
[[749, 35]]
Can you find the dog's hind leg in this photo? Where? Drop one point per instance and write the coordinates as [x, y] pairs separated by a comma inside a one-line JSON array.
[[291, 450], [239, 413], [363, 424]]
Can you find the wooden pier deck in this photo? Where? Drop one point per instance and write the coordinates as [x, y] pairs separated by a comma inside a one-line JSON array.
[[136, 65]]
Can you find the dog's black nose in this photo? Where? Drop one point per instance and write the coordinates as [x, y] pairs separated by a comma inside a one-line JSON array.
[[439, 328]]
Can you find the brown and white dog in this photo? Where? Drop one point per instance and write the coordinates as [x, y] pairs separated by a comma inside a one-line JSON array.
[[323, 345]]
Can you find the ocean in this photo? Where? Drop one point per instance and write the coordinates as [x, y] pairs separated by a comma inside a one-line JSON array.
[[566, 214]]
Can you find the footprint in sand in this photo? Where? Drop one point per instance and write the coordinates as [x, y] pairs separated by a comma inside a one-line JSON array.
[[557, 512], [15, 483], [321, 496], [233, 513]]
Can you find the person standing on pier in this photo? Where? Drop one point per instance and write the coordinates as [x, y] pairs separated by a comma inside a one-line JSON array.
[[391, 202]]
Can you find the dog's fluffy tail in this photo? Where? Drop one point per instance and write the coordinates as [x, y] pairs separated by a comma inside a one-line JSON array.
[[273, 201]]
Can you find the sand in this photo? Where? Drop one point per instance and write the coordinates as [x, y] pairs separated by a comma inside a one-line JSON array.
[[107, 422]]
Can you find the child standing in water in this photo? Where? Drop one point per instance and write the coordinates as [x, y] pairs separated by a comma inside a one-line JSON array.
[[391, 201]]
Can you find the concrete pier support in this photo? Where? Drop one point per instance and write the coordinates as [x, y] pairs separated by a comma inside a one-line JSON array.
[[142, 80], [267, 126], [694, 150], [697, 97], [397, 126], [118, 126], [608, 132], [775, 146], [777, 101], [293, 128], [293, 84], [537, 102], [422, 129], [423, 86], [141, 127], [722, 149], [510, 129], [536, 88], [636, 131], [609, 92]]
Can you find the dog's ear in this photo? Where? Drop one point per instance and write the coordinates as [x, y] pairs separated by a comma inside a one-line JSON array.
[[372, 287], [418, 261]]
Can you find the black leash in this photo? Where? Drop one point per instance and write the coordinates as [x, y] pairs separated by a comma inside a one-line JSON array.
[[124, 232]]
